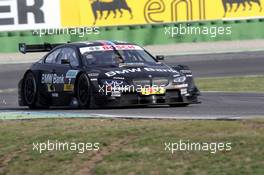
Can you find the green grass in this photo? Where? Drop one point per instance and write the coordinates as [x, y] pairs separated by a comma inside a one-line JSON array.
[[131, 147], [232, 84]]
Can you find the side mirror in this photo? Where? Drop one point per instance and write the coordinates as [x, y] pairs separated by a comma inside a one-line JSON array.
[[65, 61], [160, 57]]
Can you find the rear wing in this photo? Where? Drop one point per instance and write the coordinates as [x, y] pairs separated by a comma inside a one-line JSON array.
[[46, 47]]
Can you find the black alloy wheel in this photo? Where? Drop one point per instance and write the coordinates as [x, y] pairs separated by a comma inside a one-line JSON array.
[[83, 91]]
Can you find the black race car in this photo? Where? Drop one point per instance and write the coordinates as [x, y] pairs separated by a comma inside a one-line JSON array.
[[103, 74]]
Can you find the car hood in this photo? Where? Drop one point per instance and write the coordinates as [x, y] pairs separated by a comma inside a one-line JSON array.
[[129, 72]]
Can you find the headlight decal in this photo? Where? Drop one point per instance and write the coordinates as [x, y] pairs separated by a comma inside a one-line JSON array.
[[180, 79]]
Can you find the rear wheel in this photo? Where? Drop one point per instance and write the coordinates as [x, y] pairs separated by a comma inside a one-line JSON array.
[[30, 90], [33, 97], [83, 91]]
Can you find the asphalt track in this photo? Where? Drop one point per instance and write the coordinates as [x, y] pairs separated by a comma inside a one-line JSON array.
[[216, 105]]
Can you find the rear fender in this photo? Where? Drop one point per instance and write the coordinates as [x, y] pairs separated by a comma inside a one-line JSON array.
[[21, 97]]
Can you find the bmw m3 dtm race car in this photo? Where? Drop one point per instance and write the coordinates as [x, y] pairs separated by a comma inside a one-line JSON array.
[[103, 74]]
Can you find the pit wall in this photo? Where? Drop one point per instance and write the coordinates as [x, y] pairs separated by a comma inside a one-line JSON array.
[[148, 34]]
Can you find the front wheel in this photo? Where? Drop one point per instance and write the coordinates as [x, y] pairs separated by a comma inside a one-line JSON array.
[[83, 91]]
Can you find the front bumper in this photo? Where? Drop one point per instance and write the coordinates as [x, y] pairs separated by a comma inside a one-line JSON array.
[[171, 97]]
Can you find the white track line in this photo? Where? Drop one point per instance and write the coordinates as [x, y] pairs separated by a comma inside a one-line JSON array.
[[24, 115], [11, 90]]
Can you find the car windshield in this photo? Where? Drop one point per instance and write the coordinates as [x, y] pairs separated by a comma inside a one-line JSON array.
[[98, 57]]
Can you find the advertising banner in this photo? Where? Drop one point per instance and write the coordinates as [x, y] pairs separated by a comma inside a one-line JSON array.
[[35, 14], [29, 14], [132, 12]]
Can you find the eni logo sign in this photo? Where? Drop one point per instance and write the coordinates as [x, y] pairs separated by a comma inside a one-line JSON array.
[[111, 6], [133, 12], [158, 11], [238, 3], [175, 9], [151, 11]]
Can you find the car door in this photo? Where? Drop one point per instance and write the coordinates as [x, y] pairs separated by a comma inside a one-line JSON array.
[[66, 71], [47, 70]]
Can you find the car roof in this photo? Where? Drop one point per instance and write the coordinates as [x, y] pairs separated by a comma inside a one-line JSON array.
[[97, 43]]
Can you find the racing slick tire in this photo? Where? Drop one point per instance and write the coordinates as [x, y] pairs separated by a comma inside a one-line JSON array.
[[30, 90], [31, 94], [83, 92]]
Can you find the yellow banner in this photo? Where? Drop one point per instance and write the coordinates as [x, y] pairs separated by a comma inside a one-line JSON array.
[[76, 13]]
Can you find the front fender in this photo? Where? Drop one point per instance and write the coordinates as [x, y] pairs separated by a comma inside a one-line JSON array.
[[185, 70]]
